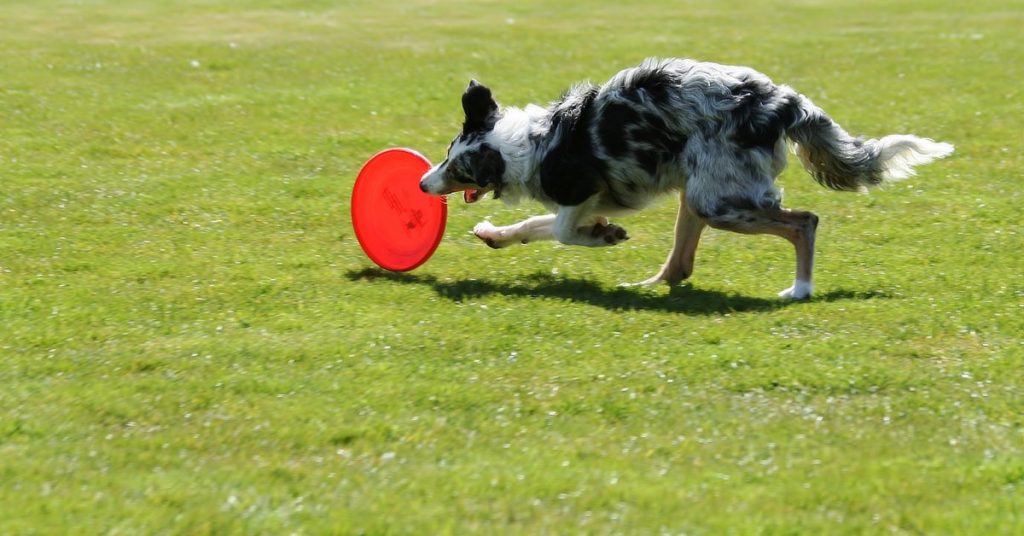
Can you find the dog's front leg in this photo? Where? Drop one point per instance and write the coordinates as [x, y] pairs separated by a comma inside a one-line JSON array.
[[578, 226], [679, 264], [528, 230]]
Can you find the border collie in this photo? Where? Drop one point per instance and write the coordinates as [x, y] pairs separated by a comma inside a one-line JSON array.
[[716, 134]]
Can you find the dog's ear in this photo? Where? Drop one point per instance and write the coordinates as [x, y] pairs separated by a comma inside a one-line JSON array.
[[487, 166], [481, 110]]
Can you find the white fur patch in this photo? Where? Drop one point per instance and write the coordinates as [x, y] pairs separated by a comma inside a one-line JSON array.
[[899, 153], [801, 290]]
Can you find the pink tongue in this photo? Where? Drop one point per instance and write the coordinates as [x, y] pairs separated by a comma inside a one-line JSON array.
[[471, 196]]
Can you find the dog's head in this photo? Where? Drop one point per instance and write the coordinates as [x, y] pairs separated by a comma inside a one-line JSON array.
[[472, 164]]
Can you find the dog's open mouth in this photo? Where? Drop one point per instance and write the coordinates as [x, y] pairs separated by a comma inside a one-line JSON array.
[[472, 195]]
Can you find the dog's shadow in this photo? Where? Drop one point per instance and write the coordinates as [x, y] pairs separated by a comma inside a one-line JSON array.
[[684, 299]]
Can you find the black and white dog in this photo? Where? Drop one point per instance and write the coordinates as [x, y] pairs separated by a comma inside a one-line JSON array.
[[714, 133]]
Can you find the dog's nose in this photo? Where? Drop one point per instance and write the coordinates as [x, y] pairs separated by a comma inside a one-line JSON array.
[[423, 187]]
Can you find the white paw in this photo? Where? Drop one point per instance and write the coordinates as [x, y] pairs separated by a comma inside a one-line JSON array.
[[801, 290], [490, 234], [645, 283], [485, 227], [649, 282], [671, 274]]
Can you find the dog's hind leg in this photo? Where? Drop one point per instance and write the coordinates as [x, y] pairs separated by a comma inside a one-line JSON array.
[[528, 230], [731, 187], [679, 264], [797, 227]]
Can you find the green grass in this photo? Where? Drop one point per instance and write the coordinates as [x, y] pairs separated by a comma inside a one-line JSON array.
[[191, 340]]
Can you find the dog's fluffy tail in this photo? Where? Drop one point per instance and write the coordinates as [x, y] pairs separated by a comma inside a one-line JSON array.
[[841, 162]]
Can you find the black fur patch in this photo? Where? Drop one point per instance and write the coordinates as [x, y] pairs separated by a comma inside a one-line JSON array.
[[480, 108], [616, 121], [658, 135], [570, 173], [625, 131], [648, 160], [487, 166], [657, 82], [762, 114]]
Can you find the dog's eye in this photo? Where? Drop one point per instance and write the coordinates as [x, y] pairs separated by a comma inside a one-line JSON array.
[[460, 168]]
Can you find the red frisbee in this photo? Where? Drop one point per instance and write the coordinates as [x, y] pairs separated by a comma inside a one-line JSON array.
[[398, 226]]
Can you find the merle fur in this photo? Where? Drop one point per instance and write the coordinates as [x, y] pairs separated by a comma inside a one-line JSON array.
[[631, 122], [716, 133]]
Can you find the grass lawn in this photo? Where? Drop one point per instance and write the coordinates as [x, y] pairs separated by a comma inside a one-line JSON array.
[[191, 340]]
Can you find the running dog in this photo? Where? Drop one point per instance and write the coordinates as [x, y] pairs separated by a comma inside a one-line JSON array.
[[716, 134]]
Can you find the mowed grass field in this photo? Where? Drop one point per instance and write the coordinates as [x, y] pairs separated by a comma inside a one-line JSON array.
[[191, 340]]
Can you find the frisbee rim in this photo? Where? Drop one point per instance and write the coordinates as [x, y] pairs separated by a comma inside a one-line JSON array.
[[385, 263]]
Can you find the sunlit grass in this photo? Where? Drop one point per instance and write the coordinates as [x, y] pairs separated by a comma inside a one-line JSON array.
[[192, 341]]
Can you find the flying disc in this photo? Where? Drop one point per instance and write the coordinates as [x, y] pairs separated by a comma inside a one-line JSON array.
[[397, 225]]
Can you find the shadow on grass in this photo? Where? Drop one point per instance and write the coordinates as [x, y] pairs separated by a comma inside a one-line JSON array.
[[684, 299]]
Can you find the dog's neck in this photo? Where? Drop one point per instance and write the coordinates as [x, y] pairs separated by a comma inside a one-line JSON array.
[[517, 134]]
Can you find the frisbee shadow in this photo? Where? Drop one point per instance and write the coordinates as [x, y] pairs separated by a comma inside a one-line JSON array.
[[684, 299]]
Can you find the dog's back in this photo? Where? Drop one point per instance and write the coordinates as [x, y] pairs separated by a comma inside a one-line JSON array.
[[717, 131], [627, 139]]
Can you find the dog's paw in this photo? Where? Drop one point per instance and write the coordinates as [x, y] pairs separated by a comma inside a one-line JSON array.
[[649, 282], [489, 234], [608, 233], [669, 278], [801, 290], [671, 273]]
